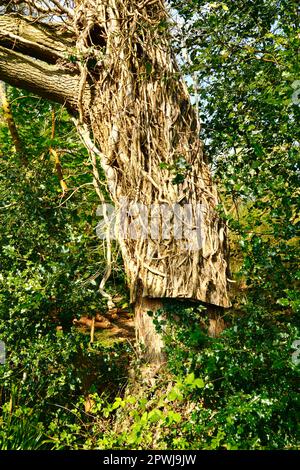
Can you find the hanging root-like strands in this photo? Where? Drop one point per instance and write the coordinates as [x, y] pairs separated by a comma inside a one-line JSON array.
[[145, 128]]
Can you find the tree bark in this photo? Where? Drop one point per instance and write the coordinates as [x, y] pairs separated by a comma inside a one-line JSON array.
[[127, 92], [52, 82], [149, 341], [144, 125], [37, 40]]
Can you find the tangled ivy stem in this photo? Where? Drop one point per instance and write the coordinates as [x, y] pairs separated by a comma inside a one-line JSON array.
[[142, 121]]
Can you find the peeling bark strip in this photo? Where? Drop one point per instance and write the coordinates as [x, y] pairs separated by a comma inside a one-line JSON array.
[[127, 90]]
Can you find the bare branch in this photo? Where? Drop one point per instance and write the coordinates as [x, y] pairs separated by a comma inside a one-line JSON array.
[[63, 8]]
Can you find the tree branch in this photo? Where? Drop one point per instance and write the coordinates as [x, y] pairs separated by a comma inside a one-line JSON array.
[[41, 41], [8, 116], [53, 82]]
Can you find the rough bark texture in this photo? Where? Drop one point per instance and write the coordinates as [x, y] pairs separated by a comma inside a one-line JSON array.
[[127, 91], [36, 56], [144, 125], [49, 81], [44, 41], [146, 333]]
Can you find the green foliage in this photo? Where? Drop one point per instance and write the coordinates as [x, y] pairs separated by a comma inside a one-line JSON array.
[[48, 248], [250, 392], [243, 58], [237, 391], [21, 431]]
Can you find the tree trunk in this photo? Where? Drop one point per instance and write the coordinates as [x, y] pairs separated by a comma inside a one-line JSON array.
[[131, 99], [149, 341]]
